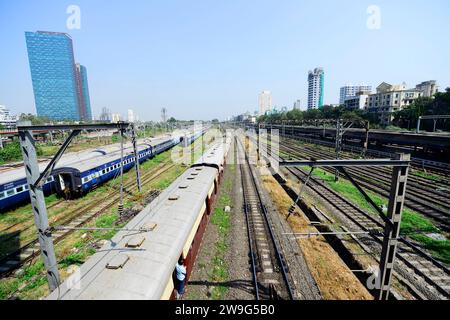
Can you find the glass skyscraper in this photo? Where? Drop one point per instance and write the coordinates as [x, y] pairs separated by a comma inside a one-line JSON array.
[[60, 86]]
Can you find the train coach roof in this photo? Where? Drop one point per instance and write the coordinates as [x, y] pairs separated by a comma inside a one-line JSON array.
[[85, 157], [148, 268], [215, 154]]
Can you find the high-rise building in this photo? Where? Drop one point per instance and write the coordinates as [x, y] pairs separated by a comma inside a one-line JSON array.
[[105, 115], [163, 114], [116, 117], [84, 96], [350, 91], [60, 86], [130, 116], [297, 104], [265, 102], [315, 88]]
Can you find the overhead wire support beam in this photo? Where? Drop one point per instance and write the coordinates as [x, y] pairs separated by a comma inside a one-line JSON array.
[[365, 195], [346, 163], [136, 157], [392, 230], [47, 171], [395, 207]]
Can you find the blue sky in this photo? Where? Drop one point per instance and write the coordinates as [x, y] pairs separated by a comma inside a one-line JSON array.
[[207, 59]]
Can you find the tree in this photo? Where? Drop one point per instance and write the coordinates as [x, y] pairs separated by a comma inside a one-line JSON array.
[[172, 119], [35, 120]]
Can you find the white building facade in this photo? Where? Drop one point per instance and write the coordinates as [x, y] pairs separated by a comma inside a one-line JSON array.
[[428, 88], [358, 102], [350, 91], [391, 98], [6, 119]]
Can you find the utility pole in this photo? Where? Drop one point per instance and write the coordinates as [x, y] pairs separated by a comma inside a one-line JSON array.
[[338, 145], [366, 142], [120, 209], [418, 124], [136, 157], [392, 229], [39, 208]]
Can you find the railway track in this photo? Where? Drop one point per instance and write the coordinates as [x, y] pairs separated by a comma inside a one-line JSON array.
[[427, 277], [14, 227], [19, 257], [269, 269], [418, 198], [422, 183]]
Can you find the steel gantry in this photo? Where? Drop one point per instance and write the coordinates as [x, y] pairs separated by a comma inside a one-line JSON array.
[[393, 217], [36, 180], [434, 118]]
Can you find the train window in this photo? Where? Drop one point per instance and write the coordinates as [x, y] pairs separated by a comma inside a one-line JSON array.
[[2, 195], [103, 171], [26, 187], [19, 189], [10, 192]]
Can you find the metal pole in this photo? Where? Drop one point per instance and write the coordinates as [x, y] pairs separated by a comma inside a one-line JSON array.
[[418, 124], [338, 146], [366, 143], [121, 174], [39, 209], [392, 230], [136, 157]]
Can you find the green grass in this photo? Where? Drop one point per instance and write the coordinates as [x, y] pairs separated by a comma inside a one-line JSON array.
[[222, 221], [29, 274], [413, 224], [426, 175]]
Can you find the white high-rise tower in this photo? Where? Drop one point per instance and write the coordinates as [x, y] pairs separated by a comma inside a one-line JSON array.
[[265, 102]]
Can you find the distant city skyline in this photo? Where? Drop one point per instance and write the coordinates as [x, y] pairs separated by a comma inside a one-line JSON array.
[[199, 66]]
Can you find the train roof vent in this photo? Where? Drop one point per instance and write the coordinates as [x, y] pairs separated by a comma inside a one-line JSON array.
[[194, 174], [183, 186], [135, 241], [149, 226], [117, 262], [191, 178], [199, 168], [174, 197]]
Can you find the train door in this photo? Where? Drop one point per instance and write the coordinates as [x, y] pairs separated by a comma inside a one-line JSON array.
[[64, 183]]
